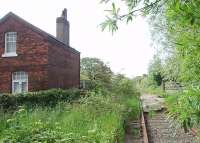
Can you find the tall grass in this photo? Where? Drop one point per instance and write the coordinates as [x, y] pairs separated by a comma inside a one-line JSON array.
[[95, 119]]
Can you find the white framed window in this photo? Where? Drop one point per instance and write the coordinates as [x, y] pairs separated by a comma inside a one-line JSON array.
[[19, 82], [10, 44]]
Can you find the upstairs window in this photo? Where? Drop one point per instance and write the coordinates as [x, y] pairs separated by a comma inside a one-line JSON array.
[[10, 44], [19, 82]]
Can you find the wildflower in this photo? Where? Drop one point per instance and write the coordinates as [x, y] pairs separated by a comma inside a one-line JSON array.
[[10, 120]]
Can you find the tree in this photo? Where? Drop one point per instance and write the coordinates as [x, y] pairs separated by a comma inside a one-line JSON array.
[[172, 68], [181, 28], [121, 85], [184, 27], [97, 72], [176, 21], [156, 70]]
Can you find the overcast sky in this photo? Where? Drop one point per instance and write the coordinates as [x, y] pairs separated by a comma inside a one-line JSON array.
[[128, 51]]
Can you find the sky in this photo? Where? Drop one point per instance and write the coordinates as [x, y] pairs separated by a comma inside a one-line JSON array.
[[128, 51]]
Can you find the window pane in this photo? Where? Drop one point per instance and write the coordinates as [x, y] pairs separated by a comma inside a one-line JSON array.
[[20, 82], [8, 47], [24, 87], [16, 87], [23, 76], [11, 42]]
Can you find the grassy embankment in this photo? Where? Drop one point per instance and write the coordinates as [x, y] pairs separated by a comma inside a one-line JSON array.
[[96, 118]]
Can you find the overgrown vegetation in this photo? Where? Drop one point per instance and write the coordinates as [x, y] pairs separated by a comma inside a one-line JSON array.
[[97, 72], [67, 116], [96, 118], [175, 32], [184, 107], [42, 98]]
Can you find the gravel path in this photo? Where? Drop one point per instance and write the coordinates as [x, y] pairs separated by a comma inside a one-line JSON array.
[[161, 129]]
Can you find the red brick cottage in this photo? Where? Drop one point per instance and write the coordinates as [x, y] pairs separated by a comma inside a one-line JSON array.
[[31, 59]]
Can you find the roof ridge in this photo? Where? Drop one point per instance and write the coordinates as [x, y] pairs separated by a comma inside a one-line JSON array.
[[36, 29]]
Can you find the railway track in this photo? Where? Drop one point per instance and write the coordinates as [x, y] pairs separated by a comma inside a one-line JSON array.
[[157, 127], [161, 129]]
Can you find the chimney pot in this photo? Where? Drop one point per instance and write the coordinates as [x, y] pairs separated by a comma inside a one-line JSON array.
[[62, 28]]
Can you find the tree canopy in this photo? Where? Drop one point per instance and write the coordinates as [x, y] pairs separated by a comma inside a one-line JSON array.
[[96, 71], [175, 28], [176, 32]]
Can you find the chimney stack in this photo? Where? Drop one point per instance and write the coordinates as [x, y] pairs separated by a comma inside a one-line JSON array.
[[62, 28]]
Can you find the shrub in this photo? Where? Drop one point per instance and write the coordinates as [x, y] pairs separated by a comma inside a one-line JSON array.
[[42, 98], [94, 119], [184, 107], [123, 86]]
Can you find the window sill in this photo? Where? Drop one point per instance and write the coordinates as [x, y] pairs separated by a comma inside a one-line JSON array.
[[9, 55]]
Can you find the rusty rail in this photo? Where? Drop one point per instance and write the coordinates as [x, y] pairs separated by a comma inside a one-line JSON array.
[[143, 125], [144, 129]]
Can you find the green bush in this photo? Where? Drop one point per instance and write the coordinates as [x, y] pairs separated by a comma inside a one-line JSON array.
[[184, 107], [123, 86], [42, 98]]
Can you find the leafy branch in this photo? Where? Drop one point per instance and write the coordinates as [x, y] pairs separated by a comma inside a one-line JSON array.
[[111, 21]]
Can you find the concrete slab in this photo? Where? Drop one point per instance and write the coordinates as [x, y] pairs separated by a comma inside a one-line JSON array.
[[152, 102]]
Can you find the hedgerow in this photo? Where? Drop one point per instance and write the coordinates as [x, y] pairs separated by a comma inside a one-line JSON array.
[[42, 98]]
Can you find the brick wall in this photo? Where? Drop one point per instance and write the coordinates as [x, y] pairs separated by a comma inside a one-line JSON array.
[[49, 63], [5, 82], [32, 56], [64, 66]]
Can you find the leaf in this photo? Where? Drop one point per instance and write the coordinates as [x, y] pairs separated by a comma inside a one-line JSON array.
[[129, 19], [104, 1], [113, 8], [192, 20], [110, 24]]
